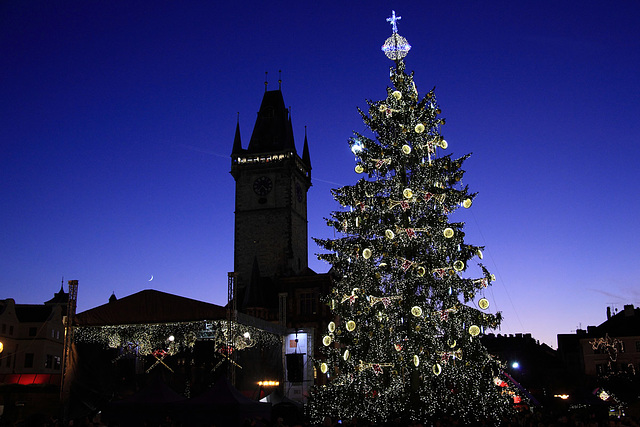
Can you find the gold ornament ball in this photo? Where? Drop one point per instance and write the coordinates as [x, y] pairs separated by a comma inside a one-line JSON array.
[[474, 330], [466, 204], [345, 355], [458, 265], [421, 271], [483, 303], [437, 369], [419, 128], [479, 253], [444, 144], [406, 149], [331, 327], [359, 169], [448, 233], [366, 254], [438, 111], [389, 234], [407, 193], [324, 368], [351, 325], [397, 95], [416, 360], [326, 341], [416, 311]]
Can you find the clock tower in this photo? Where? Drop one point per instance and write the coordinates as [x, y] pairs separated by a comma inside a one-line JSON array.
[[272, 181]]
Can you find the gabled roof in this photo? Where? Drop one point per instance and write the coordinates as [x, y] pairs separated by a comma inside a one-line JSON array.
[[150, 306]]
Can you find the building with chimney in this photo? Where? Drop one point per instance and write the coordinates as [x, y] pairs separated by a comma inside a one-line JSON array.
[[31, 353], [612, 346], [605, 359]]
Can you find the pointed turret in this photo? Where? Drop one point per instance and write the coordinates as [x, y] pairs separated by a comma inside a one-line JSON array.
[[237, 143], [306, 158]]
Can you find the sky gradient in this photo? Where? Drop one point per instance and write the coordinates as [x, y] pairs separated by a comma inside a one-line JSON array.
[[118, 117]]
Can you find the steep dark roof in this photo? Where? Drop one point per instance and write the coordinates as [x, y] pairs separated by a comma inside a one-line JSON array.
[[61, 297], [273, 131], [260, 292], [33, 313], [150, 306]]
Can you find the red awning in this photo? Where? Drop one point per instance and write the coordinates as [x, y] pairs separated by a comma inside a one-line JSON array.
[[30, 379]]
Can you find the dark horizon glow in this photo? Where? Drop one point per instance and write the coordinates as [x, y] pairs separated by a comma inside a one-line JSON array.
[[118, 121]]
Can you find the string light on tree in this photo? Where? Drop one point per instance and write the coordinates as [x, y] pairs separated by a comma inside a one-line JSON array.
[[405, 339]]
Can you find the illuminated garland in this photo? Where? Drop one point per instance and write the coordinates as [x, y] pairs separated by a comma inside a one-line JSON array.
[[147, 338]]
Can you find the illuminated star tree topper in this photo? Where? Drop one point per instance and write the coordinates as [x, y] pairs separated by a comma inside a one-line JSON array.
[[396, 46]]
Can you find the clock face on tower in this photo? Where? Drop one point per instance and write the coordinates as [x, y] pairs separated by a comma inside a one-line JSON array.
[[262, 185]]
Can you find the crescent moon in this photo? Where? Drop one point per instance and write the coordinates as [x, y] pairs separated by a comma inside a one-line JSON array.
[[151, 278]]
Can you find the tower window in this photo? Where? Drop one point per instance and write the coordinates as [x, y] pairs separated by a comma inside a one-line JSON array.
[[307, 303]]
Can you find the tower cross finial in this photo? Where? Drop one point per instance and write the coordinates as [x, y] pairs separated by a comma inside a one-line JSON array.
[[393, 19]]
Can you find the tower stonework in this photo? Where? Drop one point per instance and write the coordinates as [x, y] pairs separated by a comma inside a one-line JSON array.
[[272, 181]]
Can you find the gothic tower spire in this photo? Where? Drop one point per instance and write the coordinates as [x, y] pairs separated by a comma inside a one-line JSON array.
[[271, 197]]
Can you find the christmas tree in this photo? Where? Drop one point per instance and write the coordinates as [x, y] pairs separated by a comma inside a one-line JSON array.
[[405, 341]]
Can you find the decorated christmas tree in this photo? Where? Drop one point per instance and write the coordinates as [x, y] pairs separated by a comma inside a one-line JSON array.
[[409, 313]]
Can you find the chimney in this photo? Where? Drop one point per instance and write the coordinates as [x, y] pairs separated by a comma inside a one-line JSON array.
[[608, 313], [628, 310]]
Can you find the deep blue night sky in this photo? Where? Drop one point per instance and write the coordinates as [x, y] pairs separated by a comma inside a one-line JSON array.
[[117, 121]]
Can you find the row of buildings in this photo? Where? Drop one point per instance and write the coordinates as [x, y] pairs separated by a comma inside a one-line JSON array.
[[191, 344], [267, 335]]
